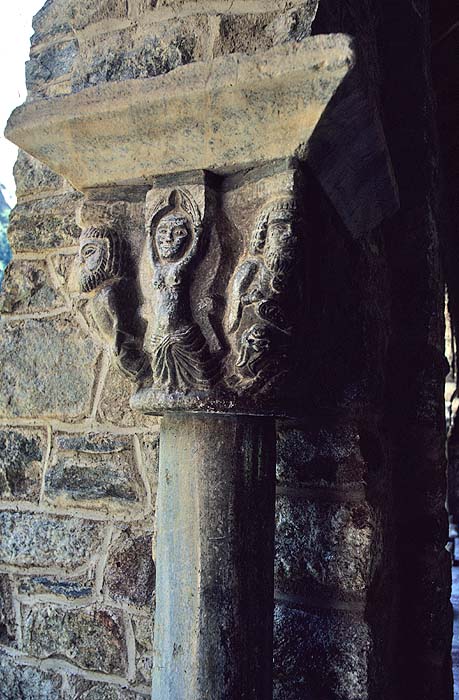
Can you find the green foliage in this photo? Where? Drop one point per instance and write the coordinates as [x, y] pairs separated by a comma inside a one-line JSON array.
[[5, 251]]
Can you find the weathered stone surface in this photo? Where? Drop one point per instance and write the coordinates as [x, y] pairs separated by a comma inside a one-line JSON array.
[[149, 444], [259, 31], [237, 33], [114, 403], [337, 647], [89, 638], [153, 50], [47, 368], [27, 289], [32, 539], [65, 588], [65, 16], [50, 63], [143, 633], [44, 223], [323, 456], [32, 177], [7, 615], [130, 571], [26, 683], [232, 112], [82, 689], [22, 452], [95, 471], [324, 548]]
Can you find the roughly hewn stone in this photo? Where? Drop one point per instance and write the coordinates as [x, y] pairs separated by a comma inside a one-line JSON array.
[[149, 444], [90, 690], [25, 683], [337, 646], [50, 63], [32, 177], [22, 452], [7, 616], [89, 638], [237, 33], [66, 16], [143, 633], [44, 223], [27, 289], [95, 471], [114, 403], [38, 540], [47, 369], [130, 571], [153, 50], [324, 548], [323, 456], [66, 588]]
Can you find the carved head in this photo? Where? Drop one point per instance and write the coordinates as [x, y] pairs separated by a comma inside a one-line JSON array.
[[276, 237], [172, 236], [100, 257], [174, 228]]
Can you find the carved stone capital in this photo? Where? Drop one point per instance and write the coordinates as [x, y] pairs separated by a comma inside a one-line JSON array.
[[222, 276]]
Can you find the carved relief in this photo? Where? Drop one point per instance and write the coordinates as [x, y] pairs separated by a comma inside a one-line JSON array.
[[181, 359], [264, 297], [104, 276]]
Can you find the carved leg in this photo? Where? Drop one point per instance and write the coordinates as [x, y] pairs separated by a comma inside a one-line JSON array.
[[215, 553]]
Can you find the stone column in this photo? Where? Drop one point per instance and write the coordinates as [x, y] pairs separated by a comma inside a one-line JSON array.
[[204, 306], [215, 542]]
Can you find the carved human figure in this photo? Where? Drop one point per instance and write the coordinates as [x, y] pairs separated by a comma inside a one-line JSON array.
[[102, 262], [180, 356], [264, 298]]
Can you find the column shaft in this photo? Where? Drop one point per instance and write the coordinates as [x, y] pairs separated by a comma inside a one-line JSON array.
[[215, 552]]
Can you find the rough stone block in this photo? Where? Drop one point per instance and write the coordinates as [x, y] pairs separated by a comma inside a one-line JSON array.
[[82, 689], [32, 177], [26, 683], [114, 403], [94, 471], [50, 63], [93, 639], [44, 223], [65, 16], [320, 655], [154, 50], [62, 588], [324, 548], [143, 633], [22, 452], [244, 33], [27, 289], [130, 571], [149, 443], [7, 616], [329, 455], [47, 369], [38, 540]]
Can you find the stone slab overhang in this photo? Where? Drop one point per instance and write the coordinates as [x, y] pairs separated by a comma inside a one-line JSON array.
[[224, 115]]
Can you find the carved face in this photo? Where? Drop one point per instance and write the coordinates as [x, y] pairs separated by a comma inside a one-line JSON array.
[[94, 258], [172, 237], [279, 252]]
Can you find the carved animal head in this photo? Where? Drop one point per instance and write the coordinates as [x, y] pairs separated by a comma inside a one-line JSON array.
[[100, 257], [175, 228]]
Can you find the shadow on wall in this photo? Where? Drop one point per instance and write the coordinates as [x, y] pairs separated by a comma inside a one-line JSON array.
[[5, 250]]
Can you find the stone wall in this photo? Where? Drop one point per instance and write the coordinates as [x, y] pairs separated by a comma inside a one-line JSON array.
[[78, 467], [78, 475]]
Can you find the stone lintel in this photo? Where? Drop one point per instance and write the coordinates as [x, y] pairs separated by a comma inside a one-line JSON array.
[[222, 116]]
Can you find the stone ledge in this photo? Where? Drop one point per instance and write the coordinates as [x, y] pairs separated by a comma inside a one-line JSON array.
[[225, 115]]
